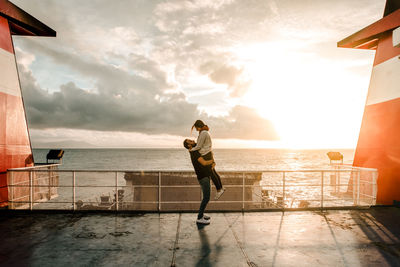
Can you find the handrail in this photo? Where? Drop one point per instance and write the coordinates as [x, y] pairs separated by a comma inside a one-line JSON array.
[[280, 196], [35, 167], [354, 167], [191, 171]]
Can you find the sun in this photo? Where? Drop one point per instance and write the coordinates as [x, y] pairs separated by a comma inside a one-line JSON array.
[[312, 102]]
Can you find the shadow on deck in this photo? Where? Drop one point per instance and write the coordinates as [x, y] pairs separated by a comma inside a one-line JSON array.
[[368, 237]]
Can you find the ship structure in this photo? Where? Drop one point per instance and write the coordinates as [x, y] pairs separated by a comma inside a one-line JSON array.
[[379, 139], [15, 145]]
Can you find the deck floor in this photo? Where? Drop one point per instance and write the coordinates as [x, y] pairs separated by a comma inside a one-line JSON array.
[[298, 238]]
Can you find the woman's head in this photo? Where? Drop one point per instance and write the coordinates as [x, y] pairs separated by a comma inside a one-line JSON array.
[[199, 124]]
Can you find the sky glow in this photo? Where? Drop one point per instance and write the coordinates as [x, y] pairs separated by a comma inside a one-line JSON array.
[[262, 74]]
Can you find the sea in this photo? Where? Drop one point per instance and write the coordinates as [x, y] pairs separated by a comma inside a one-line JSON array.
[[92, 184], [179, 159]]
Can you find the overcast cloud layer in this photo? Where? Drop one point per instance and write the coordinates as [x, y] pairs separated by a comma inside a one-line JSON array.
[[154, 67]]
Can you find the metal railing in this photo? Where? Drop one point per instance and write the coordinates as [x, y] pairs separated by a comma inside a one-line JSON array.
[[341, 186]]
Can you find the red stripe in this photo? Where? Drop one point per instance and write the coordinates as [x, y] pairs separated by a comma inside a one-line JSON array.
[[17, 130], [15, 148], [5, 36], [385, 49], [379, 147], [14, 138], [3, 190]]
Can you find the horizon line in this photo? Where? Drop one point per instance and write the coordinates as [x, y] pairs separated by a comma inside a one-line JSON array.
[[218, 148]]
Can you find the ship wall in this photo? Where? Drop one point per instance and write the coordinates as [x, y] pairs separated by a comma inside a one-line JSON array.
[[15, 147], [181, 191], [379, 139]]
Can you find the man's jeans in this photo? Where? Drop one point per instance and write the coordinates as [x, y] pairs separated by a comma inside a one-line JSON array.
[[205, 188]]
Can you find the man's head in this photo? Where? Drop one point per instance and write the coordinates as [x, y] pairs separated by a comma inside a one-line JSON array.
[[188, 144]]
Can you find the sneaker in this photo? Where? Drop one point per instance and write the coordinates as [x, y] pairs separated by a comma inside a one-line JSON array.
[[219, 194], [203, 221], [206, 217]]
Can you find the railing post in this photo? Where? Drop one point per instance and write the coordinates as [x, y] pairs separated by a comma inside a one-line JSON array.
[[322, 190], [338, 181], [358, 187], [73, 191], [243, 184], [283, 189], [11, 185], [159, 191], [335, 183], [374, 186], [353, 179], [116, 191], [30, 190], [50, 176]]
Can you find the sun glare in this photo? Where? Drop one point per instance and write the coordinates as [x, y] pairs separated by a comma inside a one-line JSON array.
[[312, 102]]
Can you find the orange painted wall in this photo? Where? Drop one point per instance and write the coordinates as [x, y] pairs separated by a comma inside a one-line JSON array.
[[15, 147], [379, 139]]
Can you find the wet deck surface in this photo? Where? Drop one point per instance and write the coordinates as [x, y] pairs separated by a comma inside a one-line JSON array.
[[332, 238]]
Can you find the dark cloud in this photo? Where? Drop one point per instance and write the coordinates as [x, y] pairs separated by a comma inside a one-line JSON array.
[[101, 110], [123, 110]]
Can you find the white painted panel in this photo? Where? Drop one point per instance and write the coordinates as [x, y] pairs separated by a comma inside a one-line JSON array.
[[385, 82], [396, 37], [9, 82]]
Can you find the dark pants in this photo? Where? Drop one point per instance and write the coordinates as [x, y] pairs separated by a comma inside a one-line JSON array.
[[205, 188], [214, 175], [216, 179]]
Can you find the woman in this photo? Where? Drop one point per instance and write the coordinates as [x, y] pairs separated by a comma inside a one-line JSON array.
[[204, 146]]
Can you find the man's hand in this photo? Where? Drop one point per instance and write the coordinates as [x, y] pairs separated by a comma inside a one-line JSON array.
[[213, 165], [205, 162]]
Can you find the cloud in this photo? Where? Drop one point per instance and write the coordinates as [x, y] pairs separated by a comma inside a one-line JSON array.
[[232, 76], [25, 58], [243, 123], [126, 110], [75, 138], [132, 64], [123, 110]]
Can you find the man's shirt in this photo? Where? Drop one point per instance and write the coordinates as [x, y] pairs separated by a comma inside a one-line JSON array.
[[201, 171]]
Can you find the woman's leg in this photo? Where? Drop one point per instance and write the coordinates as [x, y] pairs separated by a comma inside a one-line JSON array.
[[214, 175], [216, 179]]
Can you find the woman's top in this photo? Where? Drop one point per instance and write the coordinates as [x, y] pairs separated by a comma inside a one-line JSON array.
[[204, 144]]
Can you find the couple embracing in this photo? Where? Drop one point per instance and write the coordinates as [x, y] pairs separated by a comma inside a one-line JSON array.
[[204, 166]]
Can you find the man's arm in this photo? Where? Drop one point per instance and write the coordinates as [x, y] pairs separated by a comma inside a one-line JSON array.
[[204, 162]]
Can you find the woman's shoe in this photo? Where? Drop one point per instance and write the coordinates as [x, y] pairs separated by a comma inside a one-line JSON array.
[[219, 193]]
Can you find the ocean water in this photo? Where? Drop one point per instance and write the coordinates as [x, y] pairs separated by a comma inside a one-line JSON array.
[[91, 185], [179, 159]]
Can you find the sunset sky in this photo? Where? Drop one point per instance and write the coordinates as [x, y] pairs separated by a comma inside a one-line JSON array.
[[138, 73]]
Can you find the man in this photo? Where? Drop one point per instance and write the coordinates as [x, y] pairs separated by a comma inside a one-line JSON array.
[[202, 168]]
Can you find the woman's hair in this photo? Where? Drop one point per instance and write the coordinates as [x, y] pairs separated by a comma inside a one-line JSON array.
[[198, 124]]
